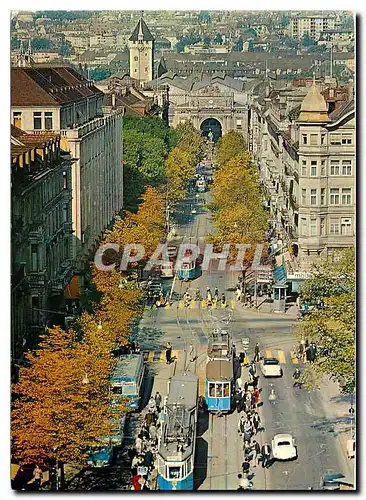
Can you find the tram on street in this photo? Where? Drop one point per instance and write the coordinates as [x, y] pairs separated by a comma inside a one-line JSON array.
[[201, 185], [177, 443], [102, 455], [126, 380], [186, 269], [220, 380]]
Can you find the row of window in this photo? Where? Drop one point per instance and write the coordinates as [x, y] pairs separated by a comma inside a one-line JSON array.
[[334, 139], [336, 196], [42, 120], [336, 168], [55, 255], [219, 390], [317, 226]]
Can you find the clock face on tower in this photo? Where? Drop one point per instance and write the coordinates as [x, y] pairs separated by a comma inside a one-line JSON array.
[[141, 48]]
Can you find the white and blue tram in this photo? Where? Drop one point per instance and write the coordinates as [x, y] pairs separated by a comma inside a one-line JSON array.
[[220, 382], [201, 185], [186, 269], [177, 442]]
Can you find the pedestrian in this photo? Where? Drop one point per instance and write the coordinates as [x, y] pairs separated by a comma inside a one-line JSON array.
[[168, 353], [256, 353], [208, 295], [256, 449], [145, 431], [158, 401], [241, 358], [256, 397], [148, 459], [244, 483], [245, 467], [191, 353], [37, 476], [266, 453], [255, 382], [252, 400], [149, 417], [238, 402], [223, 300], [241, 425], [152, 405], [256, 421], [245, 386], [139, 444], [247, 428], [216, 293], [136, 486]]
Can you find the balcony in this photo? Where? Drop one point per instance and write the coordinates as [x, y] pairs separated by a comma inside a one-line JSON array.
[[63, 277], [294, 203], [37, 278]]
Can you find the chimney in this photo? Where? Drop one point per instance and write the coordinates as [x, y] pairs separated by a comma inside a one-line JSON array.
[[350, 89], [113, 100]]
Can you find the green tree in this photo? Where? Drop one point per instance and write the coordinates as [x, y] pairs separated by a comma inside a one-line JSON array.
[[191, 140], [332, 328], [228, 146], [238, 47], [179, 168], [14, 43], [307, 41], [99, 73]]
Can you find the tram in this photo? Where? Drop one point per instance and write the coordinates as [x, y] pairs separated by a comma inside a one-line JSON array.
[[177, 442], [201, 185], [186, 269], [220, 380]]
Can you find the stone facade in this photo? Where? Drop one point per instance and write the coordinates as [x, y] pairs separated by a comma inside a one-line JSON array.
[[141, 46], [306, 160], [41, 233]]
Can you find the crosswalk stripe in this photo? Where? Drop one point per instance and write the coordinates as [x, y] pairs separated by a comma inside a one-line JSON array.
[[281, 357], [175, 354], [294, 358], [232, 304], [203, 304], [268, 354], [162, 356], [150, 357], [193, 304], [181, 304], [214, 304], [167, 305]]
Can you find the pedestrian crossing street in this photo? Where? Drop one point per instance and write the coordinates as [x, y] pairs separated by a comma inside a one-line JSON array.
[[285, 358], [194, 304]]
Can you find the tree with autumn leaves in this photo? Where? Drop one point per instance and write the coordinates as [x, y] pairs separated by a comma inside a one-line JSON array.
[[238, 215], [229, 146], [61, 404], [332, 327]]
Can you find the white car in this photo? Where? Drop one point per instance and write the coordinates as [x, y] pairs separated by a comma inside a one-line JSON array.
[[270, 367], [283, 447]]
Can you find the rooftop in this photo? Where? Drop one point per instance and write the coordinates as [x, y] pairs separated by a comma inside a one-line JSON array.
[[141, 29]]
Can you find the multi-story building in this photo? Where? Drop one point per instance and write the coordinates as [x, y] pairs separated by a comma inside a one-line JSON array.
[[312, 25], [41, 234], [141, 45], [58, 99], [306, 159]]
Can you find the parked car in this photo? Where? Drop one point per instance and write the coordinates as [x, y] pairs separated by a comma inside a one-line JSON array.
[[283, 447], [336, 481], [270, 367]]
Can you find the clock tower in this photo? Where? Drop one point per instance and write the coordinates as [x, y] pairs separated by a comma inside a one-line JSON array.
[[141, 45]]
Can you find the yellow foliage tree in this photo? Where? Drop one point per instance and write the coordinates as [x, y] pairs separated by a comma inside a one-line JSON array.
[[229, 146], [191, 141]]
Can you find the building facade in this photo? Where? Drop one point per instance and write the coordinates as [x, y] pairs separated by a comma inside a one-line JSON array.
[[60, 100], [306, 159], [310, 25], [141, 47], [41, 231]]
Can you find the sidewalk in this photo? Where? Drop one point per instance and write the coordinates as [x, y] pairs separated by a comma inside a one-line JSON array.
[[336, 406]]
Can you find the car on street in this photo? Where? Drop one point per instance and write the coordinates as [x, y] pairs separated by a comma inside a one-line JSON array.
[[270, 367], [283, 447]]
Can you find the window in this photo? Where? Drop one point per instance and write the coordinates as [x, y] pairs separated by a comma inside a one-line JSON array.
[[66, 248], [334, 196], [37, 120], [34, 257], [322, 196], [346, 227], [135, 58], [303, 196], [313, 168], [17, 119], [48, 120], [303, 168], [322, 139], [346, 139], [335, 139], [313, 139], [174, 472], [334, 167], [211, 390], [65, 212], [64, 176], [219, 390], [303, 226], [146, 69], [265, 145], [135, 70], [312, 196], [334, 226], [322, 226], [346, 196], [304, 138], [313, 227], [35, 310], [346, 167], [238, 123], [322, 169], [226, 390], [189, 466]]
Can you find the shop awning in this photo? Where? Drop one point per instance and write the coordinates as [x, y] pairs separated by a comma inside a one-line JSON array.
[[280, 275], [72, 288]]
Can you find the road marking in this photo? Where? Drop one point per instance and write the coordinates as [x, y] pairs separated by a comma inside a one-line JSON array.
[[175, 354], [167, 305], [294, 358], [193, 304], [181, 304], [268, 354], [232, 304], [203, 304], [150, 357], [281, 357]]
